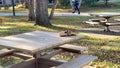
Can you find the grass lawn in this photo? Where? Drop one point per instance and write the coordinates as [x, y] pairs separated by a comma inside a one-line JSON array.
[[107, 49]]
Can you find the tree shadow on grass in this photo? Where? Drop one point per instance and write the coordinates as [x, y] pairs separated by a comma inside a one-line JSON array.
[[108, 55], [57, 28], [101, 32]]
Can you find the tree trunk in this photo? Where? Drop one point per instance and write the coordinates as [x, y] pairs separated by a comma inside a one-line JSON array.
[[5, 5], [53, 9], [106, 2], [71, 4], [26, 4], [42, 13], [80, 2], [31, 10]]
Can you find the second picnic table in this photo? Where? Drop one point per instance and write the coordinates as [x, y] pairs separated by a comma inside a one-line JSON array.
[[106, 16]]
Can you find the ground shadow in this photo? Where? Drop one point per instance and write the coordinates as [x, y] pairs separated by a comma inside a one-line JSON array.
[[60, 28], [97, 31]]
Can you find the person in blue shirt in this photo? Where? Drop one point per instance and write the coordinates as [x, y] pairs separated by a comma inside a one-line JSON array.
[[75, 6]]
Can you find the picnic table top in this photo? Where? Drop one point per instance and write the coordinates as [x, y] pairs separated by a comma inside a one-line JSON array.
[[36, 41], [105, 14]]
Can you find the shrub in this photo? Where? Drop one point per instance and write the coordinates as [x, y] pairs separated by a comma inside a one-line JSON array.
[[64, 2], [20, 6], [89, 2]]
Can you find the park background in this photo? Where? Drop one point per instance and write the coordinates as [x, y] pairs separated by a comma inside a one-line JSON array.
[[104, 45]]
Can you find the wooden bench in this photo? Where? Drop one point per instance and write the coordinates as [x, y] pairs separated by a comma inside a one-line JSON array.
[[6, 52], [98, 20], [48, 63], [92, 23], [73, 48], [22, 56], [78, 62], [113, 24], [118, 20]]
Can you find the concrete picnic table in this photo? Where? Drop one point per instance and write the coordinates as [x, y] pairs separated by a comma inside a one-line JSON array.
[[37, 41], [106, 16], [34, 42]]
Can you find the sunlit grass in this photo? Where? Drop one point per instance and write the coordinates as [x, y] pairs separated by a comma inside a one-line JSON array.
[[97, 45], [108, 51]]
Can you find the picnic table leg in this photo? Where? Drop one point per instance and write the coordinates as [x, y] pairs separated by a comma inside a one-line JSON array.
[[106, 26], [36, 55], [107, 18], [46, 61], [107, 29]]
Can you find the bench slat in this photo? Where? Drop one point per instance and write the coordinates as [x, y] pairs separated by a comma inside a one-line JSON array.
[[21, 55], [52, 53], [5, 52], [118, 20], [93, 23], [73, 48], [78, 62], [113, 24]]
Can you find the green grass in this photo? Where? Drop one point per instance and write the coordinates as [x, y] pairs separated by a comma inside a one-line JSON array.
[[107, 49]]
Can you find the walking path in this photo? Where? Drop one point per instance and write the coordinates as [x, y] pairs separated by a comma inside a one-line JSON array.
[[56, 14]]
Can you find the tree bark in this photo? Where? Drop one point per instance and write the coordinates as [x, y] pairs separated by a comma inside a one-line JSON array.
[[31, 10], [53, 9], [80, 2], [106, 2], [71, 4], [4, 4], [42, 13]]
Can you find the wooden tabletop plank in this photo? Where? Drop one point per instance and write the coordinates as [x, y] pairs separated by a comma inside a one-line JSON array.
[[35, 41]]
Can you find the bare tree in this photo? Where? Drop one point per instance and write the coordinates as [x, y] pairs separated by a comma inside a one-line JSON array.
[[30, 5], [80, 1], [5, 5], [106, 2], [0, 3], [53, 9]]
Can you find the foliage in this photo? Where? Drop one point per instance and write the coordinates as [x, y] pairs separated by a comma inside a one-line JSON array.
[[64, 2], [19, 6], [89, 2], [84, 2]]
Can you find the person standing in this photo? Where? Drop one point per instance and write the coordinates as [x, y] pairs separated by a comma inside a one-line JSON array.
[[75, 6]]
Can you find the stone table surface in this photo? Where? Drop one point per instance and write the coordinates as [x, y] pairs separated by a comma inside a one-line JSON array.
[[105, 14], [36, 41]]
